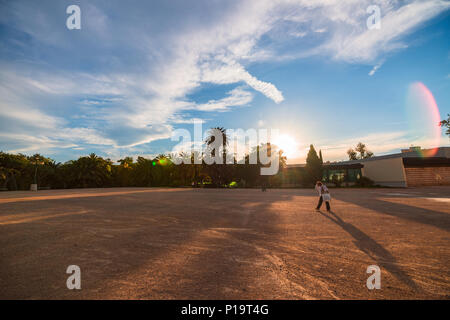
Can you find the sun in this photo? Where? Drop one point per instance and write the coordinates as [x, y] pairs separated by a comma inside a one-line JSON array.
[[287, 144]]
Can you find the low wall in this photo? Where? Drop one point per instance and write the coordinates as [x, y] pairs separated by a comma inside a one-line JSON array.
[[427, 176]]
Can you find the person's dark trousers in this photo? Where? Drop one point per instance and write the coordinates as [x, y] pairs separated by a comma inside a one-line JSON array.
[[320, 204]]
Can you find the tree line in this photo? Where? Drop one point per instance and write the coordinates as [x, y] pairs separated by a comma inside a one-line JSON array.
[[18, 171]]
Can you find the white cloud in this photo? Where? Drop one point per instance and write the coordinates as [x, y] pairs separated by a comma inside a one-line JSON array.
[[321, 30], [84, 135], [236, 97], [375, 68], [363, 45], [379, 143], [25, 143], [132, 99], [232, 73], [298, 34]]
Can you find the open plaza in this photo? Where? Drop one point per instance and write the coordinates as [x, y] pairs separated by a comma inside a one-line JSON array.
[[183, 243]]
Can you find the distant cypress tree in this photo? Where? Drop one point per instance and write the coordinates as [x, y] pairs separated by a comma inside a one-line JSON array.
[[313, 166], [320, 156]]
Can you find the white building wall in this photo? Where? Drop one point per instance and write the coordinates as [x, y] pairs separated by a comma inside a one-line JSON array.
[[385, 172]]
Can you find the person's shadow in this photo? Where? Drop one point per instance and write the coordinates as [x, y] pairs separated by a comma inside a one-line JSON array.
[[372, 248]]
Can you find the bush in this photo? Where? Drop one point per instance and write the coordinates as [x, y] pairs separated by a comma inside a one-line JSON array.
[[364, 182], [233, 184]]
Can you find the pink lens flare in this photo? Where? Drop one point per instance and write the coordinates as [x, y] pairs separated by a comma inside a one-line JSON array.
[[424, 118]]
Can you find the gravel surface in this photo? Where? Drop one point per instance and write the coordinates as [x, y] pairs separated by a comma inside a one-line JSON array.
[[156, 243]]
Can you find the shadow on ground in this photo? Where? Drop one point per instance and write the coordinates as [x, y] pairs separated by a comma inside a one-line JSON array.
[[372, 248]]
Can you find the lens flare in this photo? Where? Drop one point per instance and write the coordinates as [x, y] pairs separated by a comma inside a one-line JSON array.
[[423, 115], [287, 144]]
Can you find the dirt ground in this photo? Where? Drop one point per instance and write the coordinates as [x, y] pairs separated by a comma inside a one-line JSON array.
[[137, 243]]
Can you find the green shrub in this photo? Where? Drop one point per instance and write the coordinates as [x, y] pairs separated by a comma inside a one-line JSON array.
[[364, 182]]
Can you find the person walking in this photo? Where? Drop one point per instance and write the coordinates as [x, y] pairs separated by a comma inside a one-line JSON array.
[[324, 195]]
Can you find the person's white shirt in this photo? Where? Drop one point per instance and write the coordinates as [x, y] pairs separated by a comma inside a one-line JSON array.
[[322, 188]]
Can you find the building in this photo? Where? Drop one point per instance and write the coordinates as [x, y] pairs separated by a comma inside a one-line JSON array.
[[410, 168]]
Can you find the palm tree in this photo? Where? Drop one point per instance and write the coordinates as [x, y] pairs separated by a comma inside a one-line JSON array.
[[162, 172], [216, 131], [36, 160], [92, 171], [142, 173], [122, 172], [219, 174]]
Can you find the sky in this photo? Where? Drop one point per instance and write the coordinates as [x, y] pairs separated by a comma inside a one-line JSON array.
[[138, 70]]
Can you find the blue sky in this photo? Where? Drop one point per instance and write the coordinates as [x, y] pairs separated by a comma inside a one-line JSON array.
[[138, 70]]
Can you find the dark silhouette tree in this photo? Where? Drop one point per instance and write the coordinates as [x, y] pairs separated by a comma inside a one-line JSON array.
[[122, 173], [313, 166], [446, 123], [360, 152], [37, 160], [352, 155], [93, 171], [219, 173]]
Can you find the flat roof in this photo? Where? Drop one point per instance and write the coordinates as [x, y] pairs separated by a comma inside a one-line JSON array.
[[442, 152]]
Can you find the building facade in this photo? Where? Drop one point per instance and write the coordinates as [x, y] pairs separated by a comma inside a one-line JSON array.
[[409, 168]]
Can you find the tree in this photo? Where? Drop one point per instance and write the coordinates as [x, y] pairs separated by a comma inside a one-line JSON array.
[[219, 173], [313, 166], [5, 174], [360, 152], [162, 171], [269, 150], [122, 174], [36, 160], [142, 174], [320, 156], [91, 171], [446, 123], [197, 165], [247, 173], [363, 152], [352, 154], [218, 131]]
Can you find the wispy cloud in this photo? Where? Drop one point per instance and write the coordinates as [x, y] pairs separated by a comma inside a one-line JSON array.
[[123, 82], [364, 45], [375, 68], [378, 142], [236, 97]]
